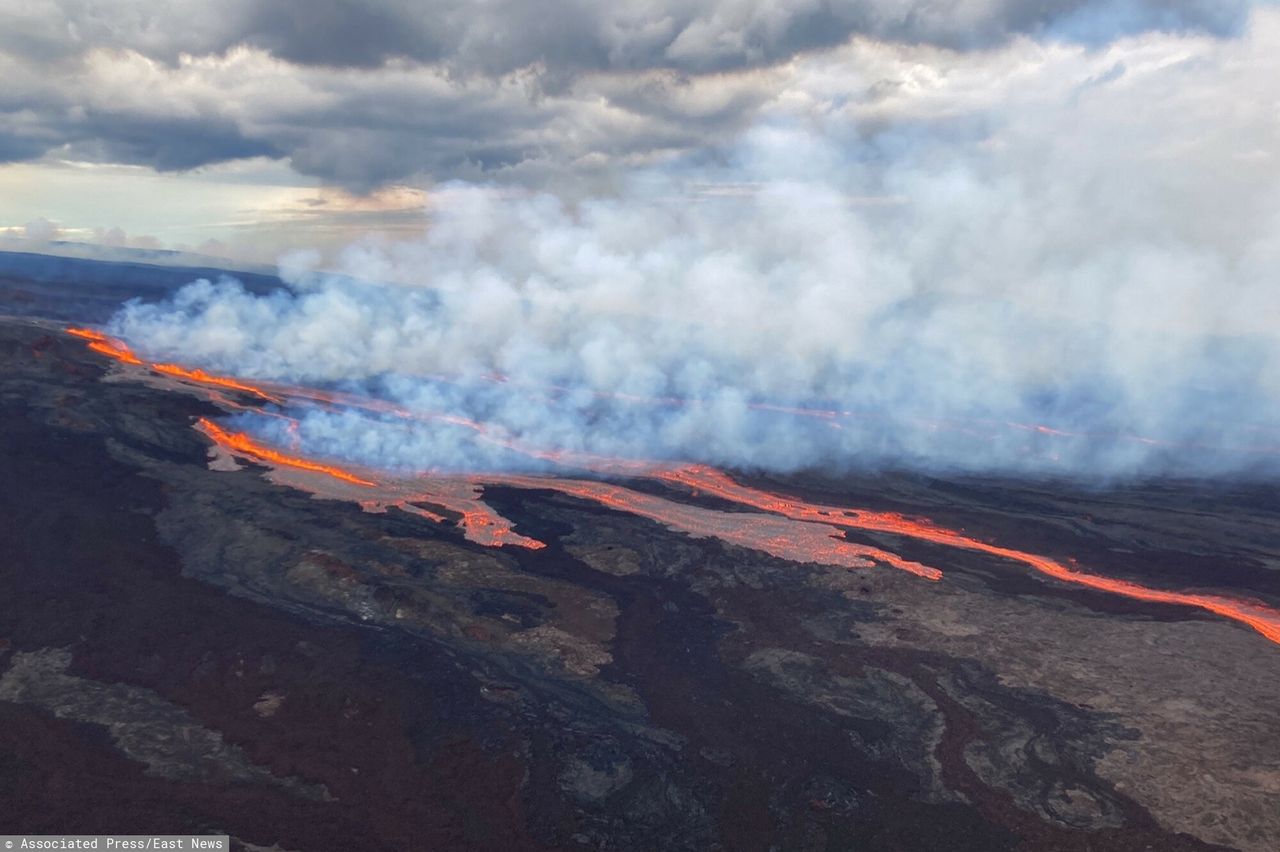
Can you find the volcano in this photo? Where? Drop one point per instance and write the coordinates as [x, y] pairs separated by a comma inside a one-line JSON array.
[[207, 628]]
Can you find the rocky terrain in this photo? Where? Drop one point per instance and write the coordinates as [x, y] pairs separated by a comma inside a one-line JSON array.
[[185, 649]]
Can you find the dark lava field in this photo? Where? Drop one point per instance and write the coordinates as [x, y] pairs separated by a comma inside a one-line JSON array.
[[193, 650]]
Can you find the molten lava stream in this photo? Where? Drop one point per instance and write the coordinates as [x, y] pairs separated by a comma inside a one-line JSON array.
[[811, 542], [1262, 618], [785, 538], [104, 345], [117, 349], [241, 444], [201, 377], [479, 522]]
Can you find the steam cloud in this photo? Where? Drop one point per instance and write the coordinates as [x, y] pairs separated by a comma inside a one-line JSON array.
[[1082, 240]]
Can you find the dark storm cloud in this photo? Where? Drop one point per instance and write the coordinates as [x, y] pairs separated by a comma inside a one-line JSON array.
[[164, 143], [567, 36], [362, 92], [15, 148], [338, 32]]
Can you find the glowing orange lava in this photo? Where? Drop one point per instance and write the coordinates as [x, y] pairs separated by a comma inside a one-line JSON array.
[[241, 444], [463, 497], [1263, 619], [785, 538], [113, 348], [104, 345], [204, 378], [86, 333], [485, 525]]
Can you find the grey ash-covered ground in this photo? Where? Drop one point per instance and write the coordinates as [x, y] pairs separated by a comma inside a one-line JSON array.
[[191, 650]]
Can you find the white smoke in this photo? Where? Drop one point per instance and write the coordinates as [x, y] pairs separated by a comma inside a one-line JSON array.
[[1087, 241]]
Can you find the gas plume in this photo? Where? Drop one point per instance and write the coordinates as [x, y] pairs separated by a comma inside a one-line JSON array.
[[1054, 277]]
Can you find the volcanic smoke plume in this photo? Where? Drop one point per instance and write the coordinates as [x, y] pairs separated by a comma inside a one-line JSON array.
[[1050, 287]]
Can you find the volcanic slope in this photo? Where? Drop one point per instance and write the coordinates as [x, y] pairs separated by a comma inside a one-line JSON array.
[[189, 649]]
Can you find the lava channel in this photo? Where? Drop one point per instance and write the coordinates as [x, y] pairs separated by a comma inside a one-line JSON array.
[[701, 478]]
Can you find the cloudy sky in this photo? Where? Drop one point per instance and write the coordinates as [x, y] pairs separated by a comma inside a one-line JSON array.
[[1008, 212], [247, 128]]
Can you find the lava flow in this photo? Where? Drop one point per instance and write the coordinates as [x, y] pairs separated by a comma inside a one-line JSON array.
[[241, 444], [783, 526], [457, 495], [118, 350], [104, 345], [785, 538], [700, 478], [204, 378]]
